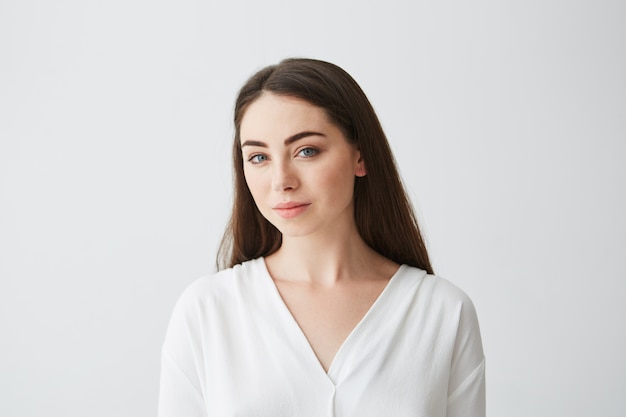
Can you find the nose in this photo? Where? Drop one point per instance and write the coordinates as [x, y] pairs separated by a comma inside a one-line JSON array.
[[284, 177]]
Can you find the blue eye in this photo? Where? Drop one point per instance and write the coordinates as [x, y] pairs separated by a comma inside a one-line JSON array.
[[308, 152], [258, 158]]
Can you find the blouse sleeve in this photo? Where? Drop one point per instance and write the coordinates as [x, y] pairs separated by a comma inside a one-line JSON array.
[[178, 396], [180, 393], [466, 389]]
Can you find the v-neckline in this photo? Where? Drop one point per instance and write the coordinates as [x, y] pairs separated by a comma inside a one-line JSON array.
[[302, 340]]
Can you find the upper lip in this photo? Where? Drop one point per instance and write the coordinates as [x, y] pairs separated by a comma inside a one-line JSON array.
[[289, 205]]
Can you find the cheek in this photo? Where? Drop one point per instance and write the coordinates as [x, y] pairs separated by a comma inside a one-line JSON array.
[[338, 183], [253, 182]]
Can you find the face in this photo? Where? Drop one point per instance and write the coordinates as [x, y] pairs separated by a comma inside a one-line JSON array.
[[299, 167]]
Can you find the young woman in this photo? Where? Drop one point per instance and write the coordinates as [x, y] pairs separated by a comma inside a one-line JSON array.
[[325, 304]]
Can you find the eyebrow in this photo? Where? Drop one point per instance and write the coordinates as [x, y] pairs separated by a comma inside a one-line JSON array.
[[288, 141]]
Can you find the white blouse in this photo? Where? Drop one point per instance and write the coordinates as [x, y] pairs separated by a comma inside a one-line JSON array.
[[234, 349]]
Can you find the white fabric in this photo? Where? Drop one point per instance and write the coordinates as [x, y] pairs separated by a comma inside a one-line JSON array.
[[234, 349]]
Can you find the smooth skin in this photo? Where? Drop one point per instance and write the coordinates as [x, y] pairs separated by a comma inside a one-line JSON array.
[[301, 169]]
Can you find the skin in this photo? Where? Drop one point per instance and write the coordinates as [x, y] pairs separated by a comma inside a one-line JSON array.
[[301, 170]]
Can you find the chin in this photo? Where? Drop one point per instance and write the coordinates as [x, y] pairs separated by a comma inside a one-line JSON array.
[[293, 231]]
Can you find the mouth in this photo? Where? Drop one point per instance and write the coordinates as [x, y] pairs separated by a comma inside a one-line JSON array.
[[290, 209]]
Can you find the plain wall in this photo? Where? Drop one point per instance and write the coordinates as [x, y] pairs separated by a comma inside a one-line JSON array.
[[508, 120]]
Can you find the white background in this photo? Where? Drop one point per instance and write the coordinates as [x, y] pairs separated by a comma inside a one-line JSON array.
[[508, 120]]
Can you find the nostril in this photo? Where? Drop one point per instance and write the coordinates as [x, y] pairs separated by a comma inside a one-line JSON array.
[[284, 179]]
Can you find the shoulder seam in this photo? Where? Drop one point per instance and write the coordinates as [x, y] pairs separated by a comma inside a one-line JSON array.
[[479, 368], [169, 358]]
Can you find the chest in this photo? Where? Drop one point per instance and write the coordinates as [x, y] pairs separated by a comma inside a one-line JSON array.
[[353, 351], [327, 316]]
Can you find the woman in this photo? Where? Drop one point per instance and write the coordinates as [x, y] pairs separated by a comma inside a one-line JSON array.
[[325, 304]]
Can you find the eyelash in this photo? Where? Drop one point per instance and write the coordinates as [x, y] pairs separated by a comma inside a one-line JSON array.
[[315, 152], [254, 159]]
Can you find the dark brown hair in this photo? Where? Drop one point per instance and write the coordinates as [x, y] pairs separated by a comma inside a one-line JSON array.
[[383, 213]]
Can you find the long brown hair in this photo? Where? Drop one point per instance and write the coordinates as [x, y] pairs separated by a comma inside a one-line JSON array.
[[383, 213]]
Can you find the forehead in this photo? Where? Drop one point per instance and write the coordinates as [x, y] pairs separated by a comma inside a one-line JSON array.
[[273, 116]]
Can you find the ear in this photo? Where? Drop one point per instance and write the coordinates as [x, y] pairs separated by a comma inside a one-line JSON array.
[[360, 170]]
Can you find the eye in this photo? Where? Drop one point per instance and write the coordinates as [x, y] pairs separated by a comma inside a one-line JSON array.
[[257, 159], [308, 152]]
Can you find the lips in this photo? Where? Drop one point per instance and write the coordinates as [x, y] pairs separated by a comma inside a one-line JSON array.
[[290, 209]]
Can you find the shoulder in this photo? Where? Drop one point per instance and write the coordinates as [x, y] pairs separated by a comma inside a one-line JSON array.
[[446, 291], [437, 291], [444, 304], [222, 283], [450, 317], [453, 315], [213, 302], [220, 291]]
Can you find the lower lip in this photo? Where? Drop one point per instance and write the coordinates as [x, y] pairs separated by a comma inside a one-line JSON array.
[[288, 213]]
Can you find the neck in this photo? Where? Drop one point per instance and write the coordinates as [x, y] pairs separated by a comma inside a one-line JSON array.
[[327, 259]]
